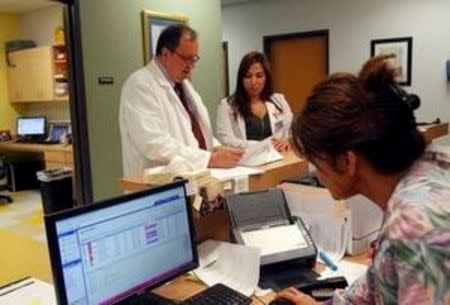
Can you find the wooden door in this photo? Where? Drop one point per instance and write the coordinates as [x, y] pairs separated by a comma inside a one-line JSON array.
[[298, 61]]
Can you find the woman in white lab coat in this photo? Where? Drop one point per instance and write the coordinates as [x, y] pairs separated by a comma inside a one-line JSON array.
[[254, 112]]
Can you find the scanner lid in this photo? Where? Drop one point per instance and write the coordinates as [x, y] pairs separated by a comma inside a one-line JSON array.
[[257, 209]]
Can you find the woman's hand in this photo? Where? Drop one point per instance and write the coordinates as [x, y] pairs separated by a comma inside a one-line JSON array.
[[297, 297], [281, 144]]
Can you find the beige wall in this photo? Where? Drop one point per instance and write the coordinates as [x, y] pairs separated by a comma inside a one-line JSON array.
[[39, 26], [353, 24], [9, 30]]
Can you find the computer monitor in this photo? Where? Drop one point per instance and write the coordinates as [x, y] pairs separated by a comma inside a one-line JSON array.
[[31, 126], [57, 131], [106, 252]]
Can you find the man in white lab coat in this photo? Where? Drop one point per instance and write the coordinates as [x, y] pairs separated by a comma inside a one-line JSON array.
[[161, 115]]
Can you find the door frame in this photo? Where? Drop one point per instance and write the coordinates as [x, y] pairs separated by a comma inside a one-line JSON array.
[[77, 102], [269, 39], [226, 71]]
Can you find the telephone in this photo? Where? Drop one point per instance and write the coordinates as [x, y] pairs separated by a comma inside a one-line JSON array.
[[5, 135]]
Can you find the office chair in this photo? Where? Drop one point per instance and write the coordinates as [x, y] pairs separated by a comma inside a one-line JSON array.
[[4, 179]]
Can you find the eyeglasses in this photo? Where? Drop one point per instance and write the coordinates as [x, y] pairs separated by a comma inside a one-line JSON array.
[[188, 60]]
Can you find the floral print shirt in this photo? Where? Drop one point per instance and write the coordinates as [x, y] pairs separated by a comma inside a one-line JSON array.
[[412, 262]]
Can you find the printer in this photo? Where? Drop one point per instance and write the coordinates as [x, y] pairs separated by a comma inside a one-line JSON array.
[[262, 219]]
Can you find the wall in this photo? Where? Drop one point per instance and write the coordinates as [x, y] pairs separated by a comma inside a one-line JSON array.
[[353, 24], [112, 45], [39, 26], [9, 30]]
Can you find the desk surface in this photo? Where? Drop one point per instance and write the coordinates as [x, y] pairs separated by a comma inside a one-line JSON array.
[[433, 131], [187, 285], [217, 226], [27, 147], [291, 166]]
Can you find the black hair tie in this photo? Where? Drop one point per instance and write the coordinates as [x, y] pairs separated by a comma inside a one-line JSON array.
[[410, 99]]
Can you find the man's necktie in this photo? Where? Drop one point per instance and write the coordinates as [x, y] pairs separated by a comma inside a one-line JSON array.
[[196, 130]]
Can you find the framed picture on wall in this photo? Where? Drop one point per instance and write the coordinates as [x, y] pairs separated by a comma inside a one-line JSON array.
[[401, 48], [153, 23]]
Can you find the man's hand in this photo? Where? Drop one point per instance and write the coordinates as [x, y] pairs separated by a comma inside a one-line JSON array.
[[225, 157], [297, 297], [281, 144]]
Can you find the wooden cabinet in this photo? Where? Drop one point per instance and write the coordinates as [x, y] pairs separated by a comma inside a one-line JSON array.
[[54, 155], [36, 74], [56, 159]]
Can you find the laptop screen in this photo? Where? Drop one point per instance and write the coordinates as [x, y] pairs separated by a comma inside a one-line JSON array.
[[31, 126], [104, 253]]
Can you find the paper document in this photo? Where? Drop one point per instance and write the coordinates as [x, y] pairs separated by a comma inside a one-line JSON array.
[[329, 229], [351, 271], [233, 265], [260, 153], [224, 174], [275, 240], [29, 291]]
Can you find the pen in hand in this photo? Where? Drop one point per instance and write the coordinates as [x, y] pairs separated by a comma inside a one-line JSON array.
[[327, 261]]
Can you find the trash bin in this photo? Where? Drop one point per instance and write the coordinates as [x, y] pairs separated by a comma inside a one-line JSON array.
[[56, 189]]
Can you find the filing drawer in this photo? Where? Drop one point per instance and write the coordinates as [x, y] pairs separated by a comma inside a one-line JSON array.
[[50, 165], [55, 159], [68, 158], [54, 156]]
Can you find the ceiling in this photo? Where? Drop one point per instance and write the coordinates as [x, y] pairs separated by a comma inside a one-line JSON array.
[[23, 6]]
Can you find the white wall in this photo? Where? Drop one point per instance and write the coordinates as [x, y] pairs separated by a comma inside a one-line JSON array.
[[352, 25]]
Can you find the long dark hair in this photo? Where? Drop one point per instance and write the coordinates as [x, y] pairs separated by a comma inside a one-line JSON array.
[[361, 113], [239, 101]]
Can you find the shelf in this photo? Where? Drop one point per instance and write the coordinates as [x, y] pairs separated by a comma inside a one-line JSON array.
[[63, 98], [38, 74], [59, 76]]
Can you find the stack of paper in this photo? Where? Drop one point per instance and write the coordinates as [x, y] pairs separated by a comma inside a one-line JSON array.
[[232, 173], [276, 239], [29, 291], [233, 265], [260, 153]]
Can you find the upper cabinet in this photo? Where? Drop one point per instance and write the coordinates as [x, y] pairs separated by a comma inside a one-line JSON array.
[[38, 75]]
